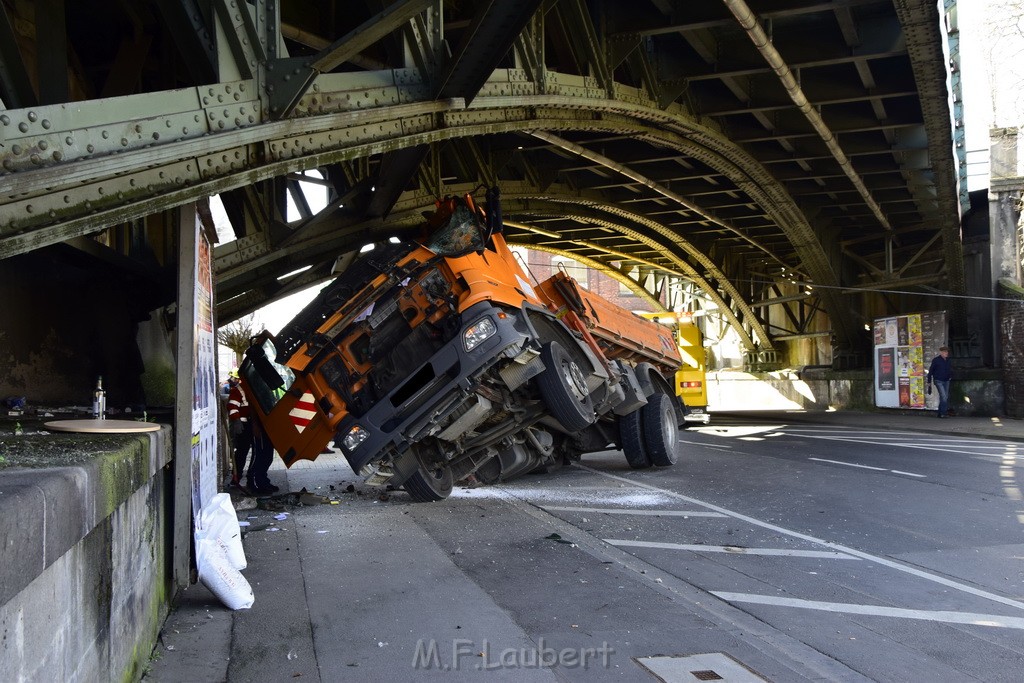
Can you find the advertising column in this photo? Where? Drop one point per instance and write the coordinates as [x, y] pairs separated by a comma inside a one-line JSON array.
[[903, 344], [204, 376]]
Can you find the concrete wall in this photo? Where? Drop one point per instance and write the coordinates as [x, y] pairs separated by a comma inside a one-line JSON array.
[[1011, 333], [973, 392], [84, 582]]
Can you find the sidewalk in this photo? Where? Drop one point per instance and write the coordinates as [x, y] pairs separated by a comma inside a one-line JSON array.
[[368, 624], [904, 420]]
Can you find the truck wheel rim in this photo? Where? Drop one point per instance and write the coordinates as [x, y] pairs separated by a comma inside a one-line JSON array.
[[574, 379]]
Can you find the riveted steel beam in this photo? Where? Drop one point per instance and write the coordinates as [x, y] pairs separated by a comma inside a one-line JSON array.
[[289, 78], [180, 145]]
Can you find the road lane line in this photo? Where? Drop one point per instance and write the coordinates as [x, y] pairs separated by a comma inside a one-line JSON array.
[[996, 620], [626, 511], [868, 467], [899, 566], [909, 474], [849, 464], [731, 549], [938, 446]]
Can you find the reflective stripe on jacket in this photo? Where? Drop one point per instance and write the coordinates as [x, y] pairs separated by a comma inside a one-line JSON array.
[[238, 406]]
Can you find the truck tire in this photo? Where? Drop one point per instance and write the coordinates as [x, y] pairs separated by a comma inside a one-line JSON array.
[[631, 434], [429, 484], [661, 432], [563, 389]]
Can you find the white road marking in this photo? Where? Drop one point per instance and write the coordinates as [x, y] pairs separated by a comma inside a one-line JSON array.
[[934, 445], [868, 467], [996, 620], [627, 511], [731, 549], [899, 566], [849, 464]]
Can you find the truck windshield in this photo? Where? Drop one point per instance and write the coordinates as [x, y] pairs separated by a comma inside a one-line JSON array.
[[462, 234], [267, 379]]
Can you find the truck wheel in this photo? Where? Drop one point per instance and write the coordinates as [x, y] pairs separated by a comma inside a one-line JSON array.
[[429, 483], [564, 389], [661, 435], [633, 441]]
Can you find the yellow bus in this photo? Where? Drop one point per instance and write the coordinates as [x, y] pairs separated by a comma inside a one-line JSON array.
[[691, 378]]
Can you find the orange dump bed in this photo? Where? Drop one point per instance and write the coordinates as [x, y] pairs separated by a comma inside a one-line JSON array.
[[619, 333]]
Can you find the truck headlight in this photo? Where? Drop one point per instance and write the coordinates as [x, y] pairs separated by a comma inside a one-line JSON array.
[[476, 333], [355, 436]]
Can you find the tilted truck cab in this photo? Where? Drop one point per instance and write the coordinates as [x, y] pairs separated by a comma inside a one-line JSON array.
[[430, 361]]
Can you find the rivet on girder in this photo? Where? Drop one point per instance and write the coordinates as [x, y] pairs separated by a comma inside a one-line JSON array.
[[16, 149], [32, 116], [105, 135], [184, 130], [46, 124], [156, 136], [29, 208], [23, 127], [43, 145], [100, 190], [90, 149], [124, 142], [5, 119], [8, 164], [69, 140]]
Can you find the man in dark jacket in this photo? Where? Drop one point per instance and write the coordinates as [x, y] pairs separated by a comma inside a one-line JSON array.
[[939, 374], [247, 433]]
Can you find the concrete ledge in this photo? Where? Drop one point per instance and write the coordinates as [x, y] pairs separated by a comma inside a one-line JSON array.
[[44, 512], [84, 581]]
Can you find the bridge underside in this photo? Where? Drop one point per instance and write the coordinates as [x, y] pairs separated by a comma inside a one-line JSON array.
[[787, 159]]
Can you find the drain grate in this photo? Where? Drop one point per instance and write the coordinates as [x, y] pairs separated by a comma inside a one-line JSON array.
[[712, 666]]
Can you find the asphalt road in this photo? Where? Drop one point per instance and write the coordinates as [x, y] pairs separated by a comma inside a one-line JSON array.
[[784, 551]]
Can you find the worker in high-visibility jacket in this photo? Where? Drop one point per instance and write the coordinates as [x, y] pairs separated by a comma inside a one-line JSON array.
[[247, 434]]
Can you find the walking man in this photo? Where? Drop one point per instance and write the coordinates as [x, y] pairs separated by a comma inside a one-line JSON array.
[[939, 374]]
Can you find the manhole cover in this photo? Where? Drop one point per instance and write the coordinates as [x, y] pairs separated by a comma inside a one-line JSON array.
[[715, 666]]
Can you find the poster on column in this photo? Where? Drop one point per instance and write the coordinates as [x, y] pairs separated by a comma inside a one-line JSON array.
[[204, 378], [903, 347]]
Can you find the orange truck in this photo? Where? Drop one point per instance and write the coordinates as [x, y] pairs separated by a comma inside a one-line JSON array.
[[430, 361]]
